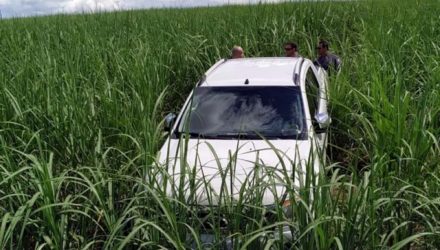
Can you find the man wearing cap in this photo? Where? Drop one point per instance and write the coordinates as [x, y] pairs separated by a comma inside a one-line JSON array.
[[325, 58]]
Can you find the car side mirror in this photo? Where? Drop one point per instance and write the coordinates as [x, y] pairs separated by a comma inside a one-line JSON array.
[[323, 119], [169, 121]]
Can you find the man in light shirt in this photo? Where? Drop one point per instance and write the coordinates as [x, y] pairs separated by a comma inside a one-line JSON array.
[[291, 49]]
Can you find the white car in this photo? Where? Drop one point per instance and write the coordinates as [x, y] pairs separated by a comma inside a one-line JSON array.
[[269, 112]]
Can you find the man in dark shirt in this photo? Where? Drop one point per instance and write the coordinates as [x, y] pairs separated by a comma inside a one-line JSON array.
[[325, 58]]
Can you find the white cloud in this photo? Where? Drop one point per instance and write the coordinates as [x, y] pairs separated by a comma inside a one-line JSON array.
[[9, 8], [91, 5]]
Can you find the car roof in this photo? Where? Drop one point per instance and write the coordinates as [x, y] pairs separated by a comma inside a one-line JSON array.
[[255, 71]]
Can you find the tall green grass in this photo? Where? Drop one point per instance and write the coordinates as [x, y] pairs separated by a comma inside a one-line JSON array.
[[82, 98]]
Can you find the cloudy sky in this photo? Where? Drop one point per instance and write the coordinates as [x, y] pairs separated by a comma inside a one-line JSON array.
[[11, 8]]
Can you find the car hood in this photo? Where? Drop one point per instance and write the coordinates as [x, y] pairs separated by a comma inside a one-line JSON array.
[[210, 171]]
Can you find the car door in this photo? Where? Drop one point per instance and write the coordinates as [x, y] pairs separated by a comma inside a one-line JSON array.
[[317, 102]]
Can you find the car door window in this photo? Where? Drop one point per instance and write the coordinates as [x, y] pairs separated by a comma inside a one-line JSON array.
[[312, 91]]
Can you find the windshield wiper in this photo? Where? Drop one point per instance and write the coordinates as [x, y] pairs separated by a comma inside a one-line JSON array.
[[237, 135], [253, 136], [232, 135], [215, 135], [191, 134], [197, 135]]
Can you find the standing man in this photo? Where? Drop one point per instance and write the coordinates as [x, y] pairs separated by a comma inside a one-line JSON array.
[[237, 52], [325, 58], [291, 49]]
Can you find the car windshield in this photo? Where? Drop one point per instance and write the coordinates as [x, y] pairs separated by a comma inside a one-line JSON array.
[[245, 112]]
